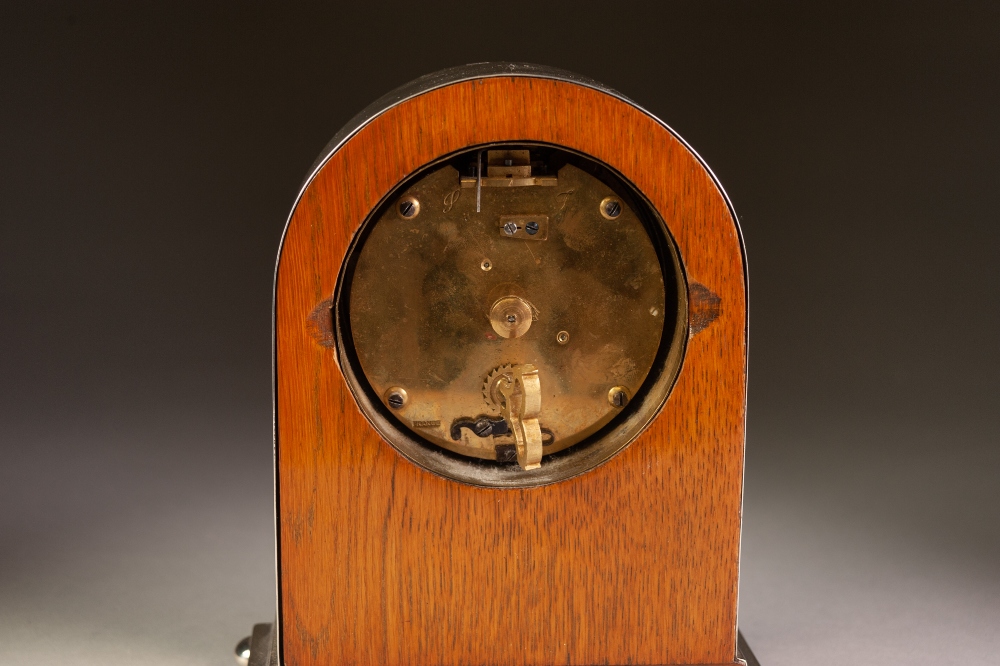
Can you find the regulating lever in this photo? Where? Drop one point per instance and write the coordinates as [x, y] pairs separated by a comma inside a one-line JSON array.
[[522, 401]]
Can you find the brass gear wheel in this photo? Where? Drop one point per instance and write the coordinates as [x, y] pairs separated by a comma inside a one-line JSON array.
[[491, 393]]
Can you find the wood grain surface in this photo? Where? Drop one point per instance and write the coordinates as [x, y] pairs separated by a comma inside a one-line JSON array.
[[635, 562]]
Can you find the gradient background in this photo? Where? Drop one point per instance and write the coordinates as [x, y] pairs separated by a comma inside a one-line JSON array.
[[149, 157]]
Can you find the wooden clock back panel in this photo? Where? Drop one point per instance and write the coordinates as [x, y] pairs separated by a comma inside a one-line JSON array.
[[634, 562]]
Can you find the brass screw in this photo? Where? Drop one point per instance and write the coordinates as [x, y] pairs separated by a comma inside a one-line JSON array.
[[409, 207], [396, 397], [618, 397], [610, 208]]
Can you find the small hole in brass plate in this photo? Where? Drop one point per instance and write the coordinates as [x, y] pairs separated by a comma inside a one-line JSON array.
[[570, 313]]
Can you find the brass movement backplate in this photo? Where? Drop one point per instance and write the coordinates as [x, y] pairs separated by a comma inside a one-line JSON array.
[[509, 304]]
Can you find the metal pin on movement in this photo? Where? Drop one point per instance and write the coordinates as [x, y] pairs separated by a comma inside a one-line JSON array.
[[479, 177]]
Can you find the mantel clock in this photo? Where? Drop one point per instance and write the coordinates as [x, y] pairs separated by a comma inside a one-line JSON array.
[[509, 387]]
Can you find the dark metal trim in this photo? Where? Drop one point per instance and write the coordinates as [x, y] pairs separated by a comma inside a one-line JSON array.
[[263, 649], [743, 650]]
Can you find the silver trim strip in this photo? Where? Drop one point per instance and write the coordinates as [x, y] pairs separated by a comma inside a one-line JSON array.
[[427, 83]]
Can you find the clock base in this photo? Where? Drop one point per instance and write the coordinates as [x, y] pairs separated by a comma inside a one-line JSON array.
[[263, 649]]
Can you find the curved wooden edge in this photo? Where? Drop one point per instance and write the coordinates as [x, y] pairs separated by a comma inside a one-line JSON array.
[[352, 516], [452, 75]]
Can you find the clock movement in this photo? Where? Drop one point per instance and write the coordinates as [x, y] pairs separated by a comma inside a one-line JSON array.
[[509, 387]]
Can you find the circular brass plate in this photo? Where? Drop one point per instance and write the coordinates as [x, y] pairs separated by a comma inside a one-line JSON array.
[[581, 297]]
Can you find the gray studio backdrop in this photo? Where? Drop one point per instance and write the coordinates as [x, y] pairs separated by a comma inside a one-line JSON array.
[[148, 158]]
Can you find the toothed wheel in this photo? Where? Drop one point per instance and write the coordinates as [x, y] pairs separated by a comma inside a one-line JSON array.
[[491, 392]]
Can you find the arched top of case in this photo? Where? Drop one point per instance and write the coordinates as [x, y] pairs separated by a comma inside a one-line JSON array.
[[481, 70]]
